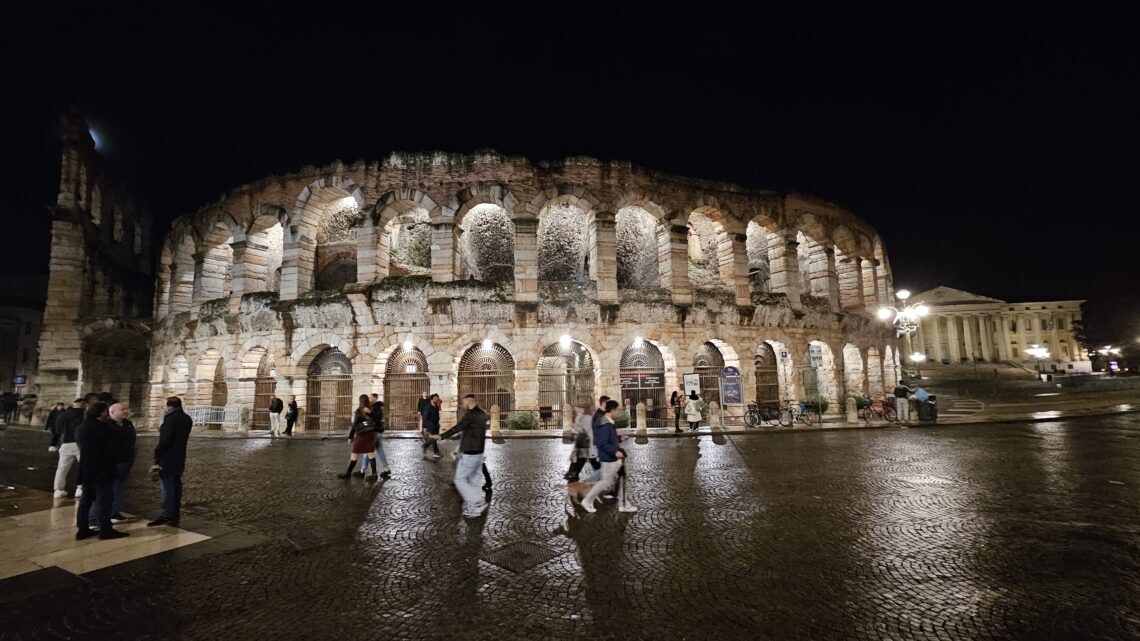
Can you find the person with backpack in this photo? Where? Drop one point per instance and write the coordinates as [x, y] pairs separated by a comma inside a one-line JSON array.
[[583, 442], [275, 409], [693, 408], [902, 402]]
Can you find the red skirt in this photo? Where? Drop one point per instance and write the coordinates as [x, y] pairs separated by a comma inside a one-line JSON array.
[[364, 443]]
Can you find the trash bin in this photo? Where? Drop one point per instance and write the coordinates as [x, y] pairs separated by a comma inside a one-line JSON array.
[[928, 410]]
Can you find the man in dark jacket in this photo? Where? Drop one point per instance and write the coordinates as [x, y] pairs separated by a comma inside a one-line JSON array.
[[275, 409], [56, 410], [610, 455], [96, 472], [63, 439], [291, 416], [170, 457], [123, 452], [469, 470], [378, 418], [429, 418]]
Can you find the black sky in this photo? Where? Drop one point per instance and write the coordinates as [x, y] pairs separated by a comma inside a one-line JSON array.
[[996, 151]]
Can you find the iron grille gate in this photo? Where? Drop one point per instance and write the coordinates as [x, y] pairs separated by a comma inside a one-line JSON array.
[[329, 392], [488, 372], [708, 363], [642, 374], [405, 383], [767, 381], [565, 377], [263, 388], [219, 393]]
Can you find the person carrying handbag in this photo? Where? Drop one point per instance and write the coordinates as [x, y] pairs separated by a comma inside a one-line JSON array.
[[363, 438]]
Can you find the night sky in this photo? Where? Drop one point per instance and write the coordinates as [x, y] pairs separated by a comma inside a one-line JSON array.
[[995, 153]]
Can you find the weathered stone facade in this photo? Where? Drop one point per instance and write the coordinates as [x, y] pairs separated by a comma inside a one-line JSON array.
[[460, 273]]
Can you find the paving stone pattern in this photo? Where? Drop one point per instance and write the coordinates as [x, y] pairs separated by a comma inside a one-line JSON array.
[[1026, 531]]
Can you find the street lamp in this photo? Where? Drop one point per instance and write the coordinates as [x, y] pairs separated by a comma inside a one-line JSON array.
[[906, 321], [917, 358], [1040, 353]]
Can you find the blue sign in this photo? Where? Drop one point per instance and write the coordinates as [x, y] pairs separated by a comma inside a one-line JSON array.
[[730, 371], [20, 380]]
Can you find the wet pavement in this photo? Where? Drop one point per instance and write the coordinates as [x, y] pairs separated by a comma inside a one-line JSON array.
[[1018, 531]]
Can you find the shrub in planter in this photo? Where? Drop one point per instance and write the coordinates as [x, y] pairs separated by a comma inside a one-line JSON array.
[[621, 421], [522, 421], [817, 405], [861, 400]]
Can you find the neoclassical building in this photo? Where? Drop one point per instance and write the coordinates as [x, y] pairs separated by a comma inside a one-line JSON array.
[[530, 285], [963, 328]]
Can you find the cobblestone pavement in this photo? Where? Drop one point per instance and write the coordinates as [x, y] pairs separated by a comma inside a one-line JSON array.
[[1019, 531]]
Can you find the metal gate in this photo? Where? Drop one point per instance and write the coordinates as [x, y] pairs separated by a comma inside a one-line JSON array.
[[220, 393], [642, 374], [708, 363], [405, 383], [565, 377], [329, 392], [488, 372], [767, 379], [263, 388]]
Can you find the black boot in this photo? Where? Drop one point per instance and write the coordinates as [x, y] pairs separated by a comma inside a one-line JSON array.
[[372, 464], [348, 472]]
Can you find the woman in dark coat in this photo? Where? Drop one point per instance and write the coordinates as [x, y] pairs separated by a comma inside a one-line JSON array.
[[675, 403], [362, 436]]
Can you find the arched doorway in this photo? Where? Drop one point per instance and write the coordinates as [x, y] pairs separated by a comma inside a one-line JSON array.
[[263, 387], [767, 379], [853, 376], [487, 370], [405, 382], [708, 363], [219, 393], [565, 377], [329, 392], [819, 375], [642, 375]]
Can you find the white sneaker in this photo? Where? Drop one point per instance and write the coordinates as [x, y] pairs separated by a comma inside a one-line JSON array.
[[627, 508], [60, 494], [589, 507], [78, 491]]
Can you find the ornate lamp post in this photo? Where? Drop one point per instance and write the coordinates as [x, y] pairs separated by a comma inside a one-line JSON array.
[[906, 322], [1040, 353]]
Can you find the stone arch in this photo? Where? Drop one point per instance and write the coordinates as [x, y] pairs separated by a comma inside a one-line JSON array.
[[815, 263], [768, 376], [176, 376], [849, 271], [824, 384], [402, 219], [566, 375], [708, 362], [328, 389], [485, 243], [329, 207], [311, 347], [643, 378], [181, 291], [215, 254], [710, 248], [264, 251], [405, 382], [874, 373], [115, 357], [487, 370], [882, 273], [854, 376], [566, 241], [638, 232], [762, 240]]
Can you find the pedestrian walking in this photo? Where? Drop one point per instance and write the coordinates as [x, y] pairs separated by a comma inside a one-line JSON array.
[[362, 436], [96, 473], [420, 407], [56, 410], [123, 452], [275, 409], [378, 418], [63, 440], [429, 419], [675, 403], [693, 411], [606, 440], [291, 415], [902, 402], [583, 443], [473, 428], [170, 460]]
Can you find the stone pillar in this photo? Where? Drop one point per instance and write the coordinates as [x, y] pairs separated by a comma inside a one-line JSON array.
[[673, 258], [825, 280], [783, 262], [443, 251], [199, 283], [60, 348], [526, 260], [740, 280], [851, 284], [238, 274], [936, 336], [297, 262], [987, 335], [1003, 337], [367, 254], [886, 295], [642, 422], [955, 353], [526, 389], [1054, 336], [870, 283], [968, 336], [1039, 336], [496, 429], [605, 261], [920, 338]]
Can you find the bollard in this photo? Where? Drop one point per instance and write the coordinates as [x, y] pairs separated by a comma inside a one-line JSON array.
[[852, 413], [495, 430], [642, 427], [568, 422], [715, 421]]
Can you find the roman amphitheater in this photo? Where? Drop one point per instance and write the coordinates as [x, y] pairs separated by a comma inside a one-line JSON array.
[[529, 285]]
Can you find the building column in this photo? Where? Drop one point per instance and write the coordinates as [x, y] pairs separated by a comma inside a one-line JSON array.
[[443, 251], [784, 267], [1054, 337], [297, 262], [824, 279], [955, 353], [1003, 337], [526, 260], [1038, 320], [920, 339], [851, 284], [367, 254], [740, 269], [987, 337], [238, 273], [673, 258], [870, 283], [936, 338], [605, 261], [968, 337]]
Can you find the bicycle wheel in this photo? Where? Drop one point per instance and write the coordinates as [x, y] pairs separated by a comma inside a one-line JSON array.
[[752, 418], [889, 413], [865, 414], [785, 419]]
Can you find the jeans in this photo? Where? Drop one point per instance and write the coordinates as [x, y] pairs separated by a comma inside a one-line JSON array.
[[289, 421], [171, 496], [92, 493], [902, 409], [381, 458], [118, 490], [468, 477], [274, 423], [609, 478], [68, 457]]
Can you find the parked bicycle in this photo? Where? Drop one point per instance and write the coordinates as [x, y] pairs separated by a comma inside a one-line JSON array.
[[884, 411], [755, 415]]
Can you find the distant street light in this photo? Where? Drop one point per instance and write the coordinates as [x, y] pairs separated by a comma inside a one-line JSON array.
[[917, 358], [1040, 353], [906, 321]]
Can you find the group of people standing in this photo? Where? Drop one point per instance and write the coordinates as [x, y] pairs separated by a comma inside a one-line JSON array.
[[276, 407], [96, 435], [597, 442]]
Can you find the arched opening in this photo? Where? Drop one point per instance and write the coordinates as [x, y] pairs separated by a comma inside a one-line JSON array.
[[848, 270], [710, 250], [637, 250], [175, 377], [405, 383], [563, 243], [487, 370], [219, 391], [328, 398], [264, 386], [767, 379], [708, 363], [486, 246], [759, 240], [182, 275], [874, 373], [853, 370], [642, 375], [819, 375], [263, 253], [812, 258], [214, 279], [409, 242], [116, 361], [335, 262], [565, 377]]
